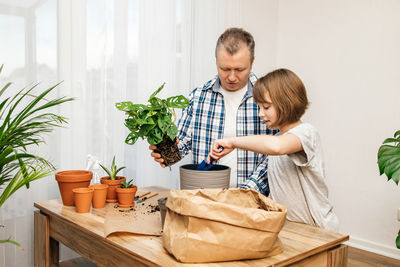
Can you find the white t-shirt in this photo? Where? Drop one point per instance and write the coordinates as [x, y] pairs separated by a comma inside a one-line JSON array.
[[232, 100], [298, 182]]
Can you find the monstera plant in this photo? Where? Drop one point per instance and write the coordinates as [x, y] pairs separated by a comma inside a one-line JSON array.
[[24, 119], [389, 163], [155, 122]]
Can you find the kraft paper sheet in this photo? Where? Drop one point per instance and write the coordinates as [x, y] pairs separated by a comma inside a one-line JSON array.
[[137, 220]]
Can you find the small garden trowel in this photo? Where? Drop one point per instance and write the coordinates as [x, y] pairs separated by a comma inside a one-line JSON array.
[[203, 166]]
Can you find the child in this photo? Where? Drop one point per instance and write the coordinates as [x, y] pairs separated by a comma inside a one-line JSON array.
[[295, 167]]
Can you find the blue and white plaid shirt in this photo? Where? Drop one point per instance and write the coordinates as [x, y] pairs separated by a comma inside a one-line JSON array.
[[202, 123]]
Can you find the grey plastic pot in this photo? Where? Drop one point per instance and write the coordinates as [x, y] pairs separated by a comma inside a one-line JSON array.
[[216, 177]]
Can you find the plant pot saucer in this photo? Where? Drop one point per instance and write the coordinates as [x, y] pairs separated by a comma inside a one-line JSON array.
[[126, 205], [111, 200]]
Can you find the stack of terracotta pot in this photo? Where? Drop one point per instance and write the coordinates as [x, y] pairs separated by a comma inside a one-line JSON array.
[[75, 191]]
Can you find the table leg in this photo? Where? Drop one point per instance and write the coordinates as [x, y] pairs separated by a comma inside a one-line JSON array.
[[338, 256], [46, 249], [54, 252]]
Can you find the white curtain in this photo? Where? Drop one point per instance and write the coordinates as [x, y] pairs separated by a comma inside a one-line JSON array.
[[104, 52]]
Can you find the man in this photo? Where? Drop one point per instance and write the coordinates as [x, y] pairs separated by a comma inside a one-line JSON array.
[[224, 107]]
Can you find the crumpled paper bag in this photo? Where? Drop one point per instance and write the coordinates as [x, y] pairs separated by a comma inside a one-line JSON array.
[[210, 225]]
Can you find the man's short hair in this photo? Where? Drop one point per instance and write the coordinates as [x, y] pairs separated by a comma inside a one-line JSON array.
[[232, 40], [288, 94]]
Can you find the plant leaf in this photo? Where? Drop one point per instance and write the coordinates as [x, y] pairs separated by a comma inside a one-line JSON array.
[[156, 92], [105, 169], [391, 140], [178, 101], [172, 132], [389, 158], [11, 242], [131, 138], [164, 122], [398, 240]]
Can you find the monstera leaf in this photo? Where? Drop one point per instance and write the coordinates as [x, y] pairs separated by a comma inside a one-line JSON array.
[[389, 158], [389, 163]]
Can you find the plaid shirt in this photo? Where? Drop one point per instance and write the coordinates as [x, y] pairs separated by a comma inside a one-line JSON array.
[[202, 122]]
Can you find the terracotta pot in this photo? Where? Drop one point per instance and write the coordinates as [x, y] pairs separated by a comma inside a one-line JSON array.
[[126, 196], [99, 195], [112, 185], [68, 180], [83, 198]]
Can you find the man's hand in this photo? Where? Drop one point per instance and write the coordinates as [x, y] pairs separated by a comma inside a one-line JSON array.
[[157, 156]]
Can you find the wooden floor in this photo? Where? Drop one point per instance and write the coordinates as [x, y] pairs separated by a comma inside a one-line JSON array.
[[357, 258]]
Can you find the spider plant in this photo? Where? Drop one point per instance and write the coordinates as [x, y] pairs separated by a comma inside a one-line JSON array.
[[389, 163], [24, 118]]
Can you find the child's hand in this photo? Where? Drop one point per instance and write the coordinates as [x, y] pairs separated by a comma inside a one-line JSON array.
[[217, 152]]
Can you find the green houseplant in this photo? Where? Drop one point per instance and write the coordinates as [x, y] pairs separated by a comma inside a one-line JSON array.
[[156, 123], [112, 180], [126, 194], [389, 163], [24, 119], [113, 171], [127, 184]]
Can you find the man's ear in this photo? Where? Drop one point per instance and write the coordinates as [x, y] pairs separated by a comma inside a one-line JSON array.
[[251, 65]]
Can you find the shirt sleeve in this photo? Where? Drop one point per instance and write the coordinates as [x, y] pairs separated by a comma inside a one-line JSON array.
[[307, 135], [258, 180], [184, 128]]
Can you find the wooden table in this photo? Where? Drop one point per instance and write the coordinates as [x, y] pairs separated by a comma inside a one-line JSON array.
[[303, 245]]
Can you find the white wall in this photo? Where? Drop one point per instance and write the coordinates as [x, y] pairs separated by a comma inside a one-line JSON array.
[[347, 53], [212, 18]]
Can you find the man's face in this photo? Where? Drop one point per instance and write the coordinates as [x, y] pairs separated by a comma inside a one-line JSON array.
[[234, 70]]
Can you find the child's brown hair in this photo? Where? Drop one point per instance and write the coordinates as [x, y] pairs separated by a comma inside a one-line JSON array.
[[287, 92]]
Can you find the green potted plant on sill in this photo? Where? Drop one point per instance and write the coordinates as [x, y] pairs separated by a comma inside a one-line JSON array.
[[112, 180], [156, 123], [389, 163], [24, 119], [126, 194]]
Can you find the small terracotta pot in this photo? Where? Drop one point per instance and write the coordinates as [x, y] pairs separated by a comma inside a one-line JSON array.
[[112, 185], [99, 195], [126, 196], [83, 198], [68, 180]]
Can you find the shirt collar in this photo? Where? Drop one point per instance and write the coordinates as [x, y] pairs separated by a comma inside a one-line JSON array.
[[215, 84]]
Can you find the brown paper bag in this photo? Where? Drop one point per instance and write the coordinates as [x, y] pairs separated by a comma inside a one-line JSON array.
[[209, 225]]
